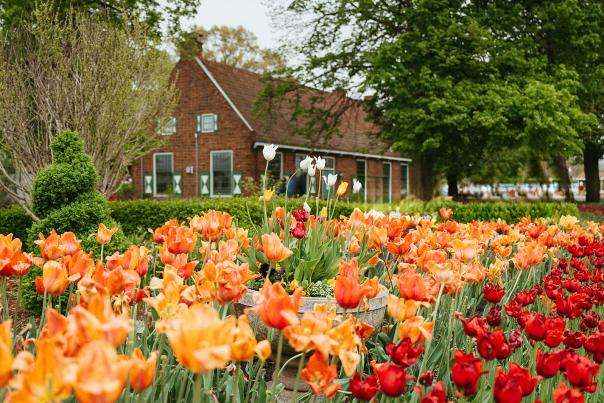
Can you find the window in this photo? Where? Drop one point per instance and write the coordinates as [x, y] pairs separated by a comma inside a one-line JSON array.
[[275, 167], [330, 166], [297, 186], [207, 123], [163, 170], [361, 175], [404, 180], [386, 178], [221, 165], [168, 127]]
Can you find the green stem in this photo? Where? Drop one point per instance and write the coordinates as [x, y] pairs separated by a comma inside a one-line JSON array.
[[198, 388], [277, 365], [434, 317], [300, 366], [236, 385], [263, 197], [102, 250], [4, 300]]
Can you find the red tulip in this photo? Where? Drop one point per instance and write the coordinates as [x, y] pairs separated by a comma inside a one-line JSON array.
[[494, 316], [436, 395], [466, 372], [404, 354], [563, 394], [493, 345], [535, 327], [298, 231], [393, 379], [364, 389], [513, 386], [426, 378], [492, 293], [301, 215], [580, 372], [548, 364]]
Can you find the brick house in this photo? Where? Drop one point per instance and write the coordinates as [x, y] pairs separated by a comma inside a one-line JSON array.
[[214, 142]]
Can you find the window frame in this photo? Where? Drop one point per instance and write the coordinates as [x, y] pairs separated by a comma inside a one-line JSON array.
[[212, 173], [155, 194], [406, 166], [389, 179], [280, 164], [161, 128], [199, 122], [365, 177]]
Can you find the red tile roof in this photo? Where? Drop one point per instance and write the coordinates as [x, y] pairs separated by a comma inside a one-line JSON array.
[[355, 133]]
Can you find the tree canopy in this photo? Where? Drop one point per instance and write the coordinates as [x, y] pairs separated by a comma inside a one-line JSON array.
[[151, 13], [108, 82], [456, 82], [234, 46]]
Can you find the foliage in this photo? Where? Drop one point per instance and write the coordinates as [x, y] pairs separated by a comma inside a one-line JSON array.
[[64, 194], [445, 84], [109, 83], [149, 12], [234, 46], [13, 220]]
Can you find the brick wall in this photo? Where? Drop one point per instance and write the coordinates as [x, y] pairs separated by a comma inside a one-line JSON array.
[[198, 95]]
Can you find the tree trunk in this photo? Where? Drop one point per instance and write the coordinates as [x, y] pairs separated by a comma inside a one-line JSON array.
[[591, 157], [423, 178], [452, 184], [561, 167]]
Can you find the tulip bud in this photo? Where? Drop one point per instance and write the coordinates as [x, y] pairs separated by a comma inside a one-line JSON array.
[[319, 163], [356, 186], [269, 151]]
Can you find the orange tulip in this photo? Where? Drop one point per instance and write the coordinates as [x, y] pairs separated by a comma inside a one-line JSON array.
[[104, 234], [142, 371], [136, 258], [212, 224], [416, 329], [181, 240], [345, 343], [263, 349], [6, 353], [310, 333], [54, 280], [319, 375], [465, 249], [161, 234], [244, 342], [201, 341], [401, 309], [47, 378], [348, 290], [101, 374], [273, 249], [272, 302], [51, 247], [232, 280], [530, 254], [445, 213], [167, 303], [13, 262], [78, 264], [414, 286]]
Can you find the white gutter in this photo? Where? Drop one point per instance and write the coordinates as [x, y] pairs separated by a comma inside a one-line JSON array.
[[337, 152], [224, 94]]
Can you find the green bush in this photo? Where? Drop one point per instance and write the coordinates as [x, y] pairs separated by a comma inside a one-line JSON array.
[[64, 199], [13, 220]]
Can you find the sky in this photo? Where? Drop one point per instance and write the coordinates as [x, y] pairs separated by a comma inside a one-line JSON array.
[[251, 14]]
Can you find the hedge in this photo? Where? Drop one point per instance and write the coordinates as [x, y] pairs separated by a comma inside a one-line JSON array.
[[136, 216], [13, 220]]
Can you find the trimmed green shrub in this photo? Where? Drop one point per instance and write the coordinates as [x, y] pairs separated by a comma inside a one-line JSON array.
[[14, 220], [64, 198]]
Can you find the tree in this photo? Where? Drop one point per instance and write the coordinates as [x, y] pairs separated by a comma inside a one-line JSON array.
[[446, 87], [151, 13], [236, 47], [107, 82]]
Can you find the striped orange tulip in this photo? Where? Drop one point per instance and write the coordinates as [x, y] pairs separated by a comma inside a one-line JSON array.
[[142, 371], [273, 248], [104, 234]]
